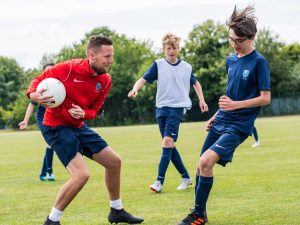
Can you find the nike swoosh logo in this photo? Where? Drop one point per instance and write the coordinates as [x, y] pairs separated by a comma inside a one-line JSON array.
[[219, 146], [78, 81], [173, 134]]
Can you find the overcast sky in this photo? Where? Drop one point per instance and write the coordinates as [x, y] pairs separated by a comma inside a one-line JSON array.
[[31, 28]]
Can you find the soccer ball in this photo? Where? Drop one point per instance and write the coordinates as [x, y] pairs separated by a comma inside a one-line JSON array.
[[54, 88]]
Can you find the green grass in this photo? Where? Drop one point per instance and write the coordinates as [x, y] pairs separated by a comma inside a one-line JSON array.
[[261, 186]]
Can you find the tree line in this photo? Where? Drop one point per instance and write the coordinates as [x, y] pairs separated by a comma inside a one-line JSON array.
[[206, 49]]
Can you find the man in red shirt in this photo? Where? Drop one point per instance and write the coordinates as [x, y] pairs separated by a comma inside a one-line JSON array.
[[87, 84]]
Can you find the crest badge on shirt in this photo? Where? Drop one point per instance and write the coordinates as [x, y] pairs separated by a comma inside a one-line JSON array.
[[98, 86], [245, 74]]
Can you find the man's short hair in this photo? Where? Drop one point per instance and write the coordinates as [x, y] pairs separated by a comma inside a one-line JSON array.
[[47, 64], [243, 22], [97, 41], [170, 39]]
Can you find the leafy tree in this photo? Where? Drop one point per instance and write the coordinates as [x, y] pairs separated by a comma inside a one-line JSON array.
[[206, 50], [2, 118], [291, 54], [11, 79], [16, 110], [48, 58], [269, 45], [295, 75]]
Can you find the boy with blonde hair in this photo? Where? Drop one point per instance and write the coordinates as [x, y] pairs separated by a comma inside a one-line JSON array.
[[174, 78]]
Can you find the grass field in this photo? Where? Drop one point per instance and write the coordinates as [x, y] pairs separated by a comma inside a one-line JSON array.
[[260, 187]]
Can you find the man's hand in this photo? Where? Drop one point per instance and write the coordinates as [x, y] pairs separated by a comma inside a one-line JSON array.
[[76, 112], [226, 104], [38, 97]]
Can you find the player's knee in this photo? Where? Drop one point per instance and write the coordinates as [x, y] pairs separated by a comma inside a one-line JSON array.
[[168, 142], [115, 163], [118, 162], [82, 177], [205, 164]]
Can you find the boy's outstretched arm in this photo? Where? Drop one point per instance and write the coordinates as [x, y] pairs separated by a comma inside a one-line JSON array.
[[137, 86], [23, 124]]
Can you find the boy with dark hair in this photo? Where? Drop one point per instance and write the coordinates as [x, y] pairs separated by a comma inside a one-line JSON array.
[[248, 89]]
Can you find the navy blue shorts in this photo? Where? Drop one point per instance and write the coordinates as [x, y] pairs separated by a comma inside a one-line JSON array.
[[67, 141], [169, 126], [224, 143], [39, 116]]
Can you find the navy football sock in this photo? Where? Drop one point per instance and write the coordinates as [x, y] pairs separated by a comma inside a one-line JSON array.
[[202, 193], [44, 167], [196, 186], [254, 131], [49, 159], [164, 163], [177, 161], [197, 183]]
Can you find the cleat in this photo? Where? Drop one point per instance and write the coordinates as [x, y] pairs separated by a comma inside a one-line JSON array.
[[51, 177], [185, 182], [256, 144], [193, 219], [156, 187], [121, 216], [50, 222], [43, 178]]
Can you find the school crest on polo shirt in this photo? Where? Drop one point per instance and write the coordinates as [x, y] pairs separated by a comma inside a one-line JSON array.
[[245, 74], [98, 86]]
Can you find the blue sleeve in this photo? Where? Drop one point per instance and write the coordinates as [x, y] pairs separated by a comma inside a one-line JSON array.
[[151, 74], [193, 80], [263, 73]]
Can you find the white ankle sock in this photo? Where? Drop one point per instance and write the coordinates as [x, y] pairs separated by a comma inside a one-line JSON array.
[[116, 204], [55, 214]]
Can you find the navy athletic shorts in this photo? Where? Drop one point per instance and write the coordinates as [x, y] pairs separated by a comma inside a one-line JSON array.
[[224, 142], [67, 141], [169, 126]]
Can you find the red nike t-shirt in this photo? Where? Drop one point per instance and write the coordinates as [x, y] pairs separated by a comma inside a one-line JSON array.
[[83, 87]]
